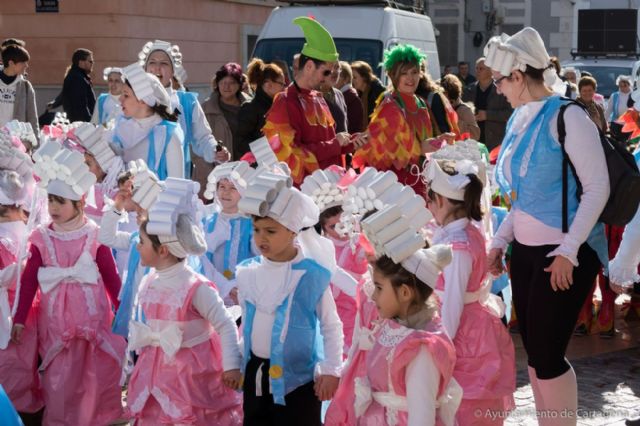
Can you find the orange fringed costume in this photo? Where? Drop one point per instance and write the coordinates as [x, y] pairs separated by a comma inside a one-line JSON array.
[[303, 122], [398, 125]]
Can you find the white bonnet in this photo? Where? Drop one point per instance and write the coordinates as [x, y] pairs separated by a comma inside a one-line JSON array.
[[146, 86]]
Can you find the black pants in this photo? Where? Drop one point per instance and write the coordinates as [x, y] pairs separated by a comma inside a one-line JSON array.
[[302, 406], [547, 318]]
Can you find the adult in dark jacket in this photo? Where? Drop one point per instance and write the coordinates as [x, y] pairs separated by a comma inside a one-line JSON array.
[[355, 121], [268, 79], [335, 99], [492, 109], [368, 86], [78, 98]]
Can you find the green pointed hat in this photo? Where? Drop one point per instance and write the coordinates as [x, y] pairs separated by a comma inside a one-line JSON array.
[[319, 43]]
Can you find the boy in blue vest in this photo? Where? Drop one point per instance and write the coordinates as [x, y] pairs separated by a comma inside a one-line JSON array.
[[108, 104], [291, 330]]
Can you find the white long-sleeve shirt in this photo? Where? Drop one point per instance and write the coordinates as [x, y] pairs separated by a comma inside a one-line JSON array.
[[134, 136], [422, 379], [456, 275], [276, 282], [583, 146], [203, 143], [112, 110], [207, 302]]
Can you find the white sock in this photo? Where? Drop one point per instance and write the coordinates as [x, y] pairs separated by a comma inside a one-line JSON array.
[[560, 396]]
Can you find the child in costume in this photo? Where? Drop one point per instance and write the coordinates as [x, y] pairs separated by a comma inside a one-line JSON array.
[[229, 233], [400, 372], [108, 107], [325, 187], [102, 162], [400, 130], [286, 303], [149, 129], [18, 362], [199, 147], [189, 355], [485, 365], [78, 284], [141, 196]]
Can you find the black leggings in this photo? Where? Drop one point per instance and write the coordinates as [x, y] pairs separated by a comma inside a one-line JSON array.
[[547, 318], [303, 407]]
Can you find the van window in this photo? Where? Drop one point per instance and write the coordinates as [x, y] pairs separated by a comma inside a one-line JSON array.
[[350, 50]]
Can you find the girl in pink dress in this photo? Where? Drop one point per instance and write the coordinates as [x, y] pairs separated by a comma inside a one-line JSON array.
[[485, 366], [18, 363], [400, 370], [189, 355], [78, 285]]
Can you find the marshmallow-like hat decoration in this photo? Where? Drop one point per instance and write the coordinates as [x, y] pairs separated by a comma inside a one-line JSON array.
[[16, 177], [505, 54], [172, 219], [220, 172], [62, 172], [146, 186], [173, 51], [322, 187], [146, 86], [109, 70], [23, 131], [395, 234]]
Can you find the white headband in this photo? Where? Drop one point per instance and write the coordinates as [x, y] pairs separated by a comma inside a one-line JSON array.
[[146, 86]]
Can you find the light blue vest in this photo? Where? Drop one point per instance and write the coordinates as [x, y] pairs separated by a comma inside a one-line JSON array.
[[293, 361], [614, 111], [187, 102], [101, 112], [241, 230], [539, 192]]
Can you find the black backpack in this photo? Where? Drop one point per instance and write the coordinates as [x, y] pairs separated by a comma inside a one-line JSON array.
[[624, 178]]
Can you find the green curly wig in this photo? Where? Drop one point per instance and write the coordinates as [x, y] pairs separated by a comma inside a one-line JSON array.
[[403, 53]]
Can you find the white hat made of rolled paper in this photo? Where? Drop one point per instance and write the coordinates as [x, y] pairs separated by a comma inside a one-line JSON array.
[[146, 186], [92, 138], [109, 70], [23, 131], [220, 172], [146, 86], [16, 177], [505, 54], [392, 234], [172, 218], [173, 51], [322, 187], [62, 172]]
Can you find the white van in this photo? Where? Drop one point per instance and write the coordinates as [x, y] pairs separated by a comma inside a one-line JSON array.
[[360, 33]]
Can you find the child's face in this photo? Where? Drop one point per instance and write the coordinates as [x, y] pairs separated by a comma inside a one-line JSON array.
[[131, 106], [228, 196], [114, 81], [94, 167], [148, 255], [61, 210], [160, 65], [329, 228], [274, 241], [385, 296]]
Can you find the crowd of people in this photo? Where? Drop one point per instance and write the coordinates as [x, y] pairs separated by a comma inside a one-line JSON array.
[[304, 246]]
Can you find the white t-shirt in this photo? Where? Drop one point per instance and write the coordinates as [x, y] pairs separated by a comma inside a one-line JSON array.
[[7, 100]]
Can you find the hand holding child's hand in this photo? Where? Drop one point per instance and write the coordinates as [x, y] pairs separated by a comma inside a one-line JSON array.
[[16, 333], [326, 386], [232, 378]]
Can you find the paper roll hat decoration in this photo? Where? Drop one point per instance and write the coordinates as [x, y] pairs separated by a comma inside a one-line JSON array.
[[173, 51], [146, 186], [23, 131], [505, 53], [109, 70], [220, 172], [92, 139], [146, 86], [62, 172], [322, 187], [15, 189]]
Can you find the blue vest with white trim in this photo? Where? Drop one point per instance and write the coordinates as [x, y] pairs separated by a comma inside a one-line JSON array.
[[187, 101], [614, 111], [292, 360]]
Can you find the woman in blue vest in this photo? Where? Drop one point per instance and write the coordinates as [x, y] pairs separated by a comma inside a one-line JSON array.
[[618, 104], [108, 104], [148, 130], [551, 271], [165, 61]]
